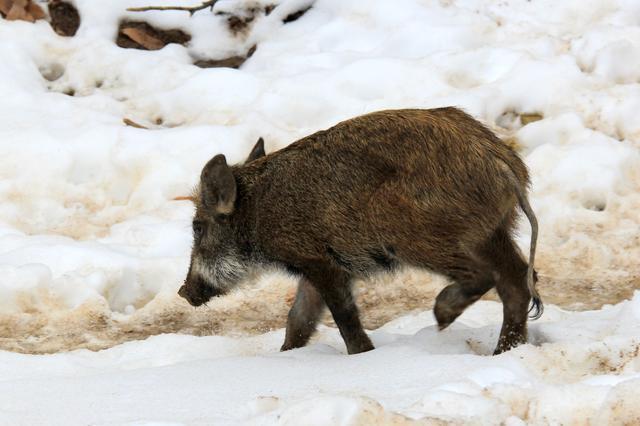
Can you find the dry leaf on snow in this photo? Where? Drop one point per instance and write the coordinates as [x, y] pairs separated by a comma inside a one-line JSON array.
[[143, 38], [5, 6], [35, 11], [22, 10]]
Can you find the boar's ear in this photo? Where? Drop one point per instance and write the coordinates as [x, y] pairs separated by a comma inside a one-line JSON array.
[[218, 186], [257, 151]]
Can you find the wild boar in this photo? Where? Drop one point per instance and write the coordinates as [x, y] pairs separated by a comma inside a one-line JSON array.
[[432, 189]]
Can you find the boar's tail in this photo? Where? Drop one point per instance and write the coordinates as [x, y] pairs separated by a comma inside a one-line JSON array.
[[536, 302]]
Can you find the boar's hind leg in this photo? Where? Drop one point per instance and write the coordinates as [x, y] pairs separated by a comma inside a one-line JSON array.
[[335, 287], [512, 289], [471, 279], [303, 316]]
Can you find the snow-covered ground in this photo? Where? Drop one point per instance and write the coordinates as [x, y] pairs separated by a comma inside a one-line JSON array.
[[93, 246], [584, 367]]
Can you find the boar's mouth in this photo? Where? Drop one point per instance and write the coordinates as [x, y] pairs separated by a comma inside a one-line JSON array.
[[198, 293]]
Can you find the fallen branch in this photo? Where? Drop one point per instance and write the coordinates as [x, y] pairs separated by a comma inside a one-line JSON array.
[[190, 9]]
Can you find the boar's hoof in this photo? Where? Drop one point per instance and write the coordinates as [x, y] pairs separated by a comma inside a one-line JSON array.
[[359, 347], [505, 345], [442, 326], [351, 349], [444, 316], [288, 347], [450, 303]]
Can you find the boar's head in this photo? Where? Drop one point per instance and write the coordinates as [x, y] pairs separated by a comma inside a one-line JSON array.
[[217, 262]]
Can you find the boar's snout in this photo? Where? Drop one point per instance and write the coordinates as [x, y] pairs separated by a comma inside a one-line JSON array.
[[183, 291], [197, 292]]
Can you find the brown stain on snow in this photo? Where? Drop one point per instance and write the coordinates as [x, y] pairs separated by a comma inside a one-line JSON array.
[[47, 327]]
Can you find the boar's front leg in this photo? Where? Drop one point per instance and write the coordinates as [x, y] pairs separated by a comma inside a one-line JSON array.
[[303, 316], [334, 285]]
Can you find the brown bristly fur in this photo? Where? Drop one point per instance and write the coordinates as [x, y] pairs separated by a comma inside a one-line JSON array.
[[433, 189]]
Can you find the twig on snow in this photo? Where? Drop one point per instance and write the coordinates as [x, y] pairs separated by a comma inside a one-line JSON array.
[[132, 123], [190, 9]]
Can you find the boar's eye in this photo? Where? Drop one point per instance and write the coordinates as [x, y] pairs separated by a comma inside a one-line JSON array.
[[222, 219], [198, 229]]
